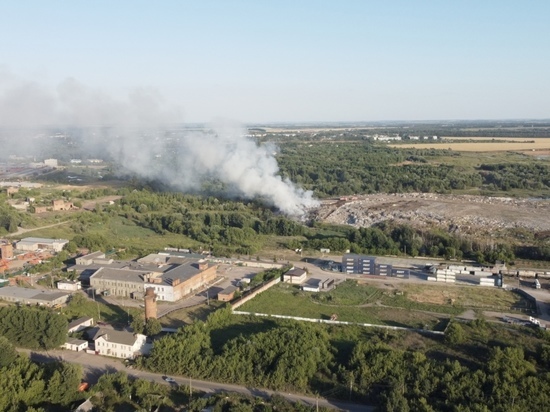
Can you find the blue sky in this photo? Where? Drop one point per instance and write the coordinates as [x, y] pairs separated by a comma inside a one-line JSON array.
[[291, 61]]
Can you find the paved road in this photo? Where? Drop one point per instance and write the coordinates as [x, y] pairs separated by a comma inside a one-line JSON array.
[[94, 366]]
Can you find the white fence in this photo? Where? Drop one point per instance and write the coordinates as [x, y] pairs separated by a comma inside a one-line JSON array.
[[338, 322]]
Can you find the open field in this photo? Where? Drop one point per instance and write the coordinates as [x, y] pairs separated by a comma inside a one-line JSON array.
[[483, 144], [101, 311], [121, 232], [187, 316], [408, 305]]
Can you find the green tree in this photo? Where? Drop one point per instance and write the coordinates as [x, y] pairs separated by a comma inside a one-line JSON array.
[[7, 352], [455, 333], [152, 327], [138, 323]]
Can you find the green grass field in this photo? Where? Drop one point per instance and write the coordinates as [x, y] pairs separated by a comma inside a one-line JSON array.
[[100, 311], [121, 232], [409, 305], [186, 316]]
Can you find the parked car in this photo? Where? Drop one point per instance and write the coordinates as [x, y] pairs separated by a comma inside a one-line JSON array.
[[169, 379]]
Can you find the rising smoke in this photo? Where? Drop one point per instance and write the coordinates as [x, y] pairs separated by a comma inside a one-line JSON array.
[[139, 134]]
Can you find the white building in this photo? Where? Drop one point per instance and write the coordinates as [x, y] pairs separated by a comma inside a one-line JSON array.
[[76, 344], [33, 244], [295, 276], [80, 324], [310, 288], [69, 285], [50, 162], [120, 344], [90, 258]]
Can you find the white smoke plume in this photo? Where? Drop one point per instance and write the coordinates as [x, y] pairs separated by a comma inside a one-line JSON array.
[[140, 134]]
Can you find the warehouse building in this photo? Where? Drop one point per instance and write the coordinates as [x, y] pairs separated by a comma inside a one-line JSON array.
[[33, 296], [170, 282], [295, 276], [367, 265], [90, 258], [32, 244]]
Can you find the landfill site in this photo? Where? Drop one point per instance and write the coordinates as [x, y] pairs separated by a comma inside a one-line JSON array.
[[456, 213]]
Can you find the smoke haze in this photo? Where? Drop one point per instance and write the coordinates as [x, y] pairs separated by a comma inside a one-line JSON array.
[[139, 134]]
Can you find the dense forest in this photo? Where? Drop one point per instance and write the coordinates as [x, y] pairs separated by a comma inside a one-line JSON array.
[[31, 387], [28, 386], [118, 392], [476, 367], [333, 169], [33, 328], [389, 238]]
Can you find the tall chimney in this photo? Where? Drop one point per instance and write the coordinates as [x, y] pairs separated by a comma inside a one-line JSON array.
[[150, 303]]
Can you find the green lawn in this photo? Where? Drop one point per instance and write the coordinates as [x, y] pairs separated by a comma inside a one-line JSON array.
[[100, 311], [186, 316], [121, 232], [409, 305]]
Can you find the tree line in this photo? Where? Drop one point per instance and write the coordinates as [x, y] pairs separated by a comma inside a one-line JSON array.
[[33, 328], [469, 370], [31, 387], [331, 169], [389, 238]]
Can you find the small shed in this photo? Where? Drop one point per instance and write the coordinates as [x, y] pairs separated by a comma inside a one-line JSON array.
[[227, 294], [70, 285], [295, 276], [80, 324], [76, 344]]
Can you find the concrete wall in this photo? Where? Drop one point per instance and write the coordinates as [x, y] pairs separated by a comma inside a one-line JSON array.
[[261, 289]]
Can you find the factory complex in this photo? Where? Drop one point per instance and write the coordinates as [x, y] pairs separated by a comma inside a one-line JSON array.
[[170, 275]]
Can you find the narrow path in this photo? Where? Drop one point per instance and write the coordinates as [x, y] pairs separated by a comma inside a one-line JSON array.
[[21, 230]]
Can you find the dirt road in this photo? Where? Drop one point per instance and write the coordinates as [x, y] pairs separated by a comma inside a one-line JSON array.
[[21, 230], [94, 366]]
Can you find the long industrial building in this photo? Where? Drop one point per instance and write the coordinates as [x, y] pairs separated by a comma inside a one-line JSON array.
[[367, 265], [33, 296], [36, 243], [171, 277]]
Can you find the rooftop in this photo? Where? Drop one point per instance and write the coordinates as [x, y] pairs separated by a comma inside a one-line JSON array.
[[135, 271], [115, 336], [26, 293], [169, 257], [79, 321], [76, 341], [93, 255], [228, 290], [121, 274], [42, 240], [295, 272], [68, 281]]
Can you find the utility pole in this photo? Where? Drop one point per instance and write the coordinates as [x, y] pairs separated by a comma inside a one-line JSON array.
[[207, 298], [317, 403], [97, 303]]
